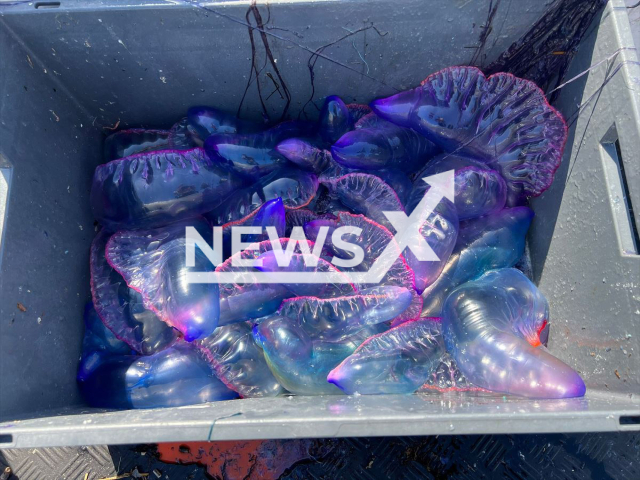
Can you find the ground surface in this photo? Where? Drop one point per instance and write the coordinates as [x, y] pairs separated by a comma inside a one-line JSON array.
[[583, 456]]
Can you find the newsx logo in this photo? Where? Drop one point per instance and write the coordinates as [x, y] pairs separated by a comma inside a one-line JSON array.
[[407, 236]]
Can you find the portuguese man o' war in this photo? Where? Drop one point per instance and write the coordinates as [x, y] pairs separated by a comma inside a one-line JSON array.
[[336, 318], [173, 377], [502, 120], [153, 262], [296, 188], [439, 230], [271, 214], [485, 243], [335, 119], [97, 337], [478, 190], [494, 327], [246, 299], [366, 194], [252, 155], [121, 308], [299, 361], [136, 140], [156, 188], [238, 361], [399, 360], [384, 146], [305, 155], [376, 253], [206, 121]]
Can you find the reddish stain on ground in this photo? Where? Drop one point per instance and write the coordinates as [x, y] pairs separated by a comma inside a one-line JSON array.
[[263, 459]]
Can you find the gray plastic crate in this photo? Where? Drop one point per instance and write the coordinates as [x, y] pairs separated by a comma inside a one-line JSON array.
[[69, 73]]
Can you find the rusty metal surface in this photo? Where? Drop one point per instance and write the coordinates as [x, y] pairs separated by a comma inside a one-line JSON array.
[[576, 456]]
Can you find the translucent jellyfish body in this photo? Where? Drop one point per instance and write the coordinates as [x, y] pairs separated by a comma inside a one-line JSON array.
[[485, 243], [252, 155], [478, 190], [300, 362], [174, 377], [270, 214], [502, 120], [152, 189], [153, 262], [399, 360], [97, 337], [135, 140], [334, 120], [337, 318], [493, 326], [383, 146], [304, 154], [366, 194], [121, 308], [303, 267], [296, 188], [439, 227], [207, 121], [238, 361], [388, 269], [246, 298]]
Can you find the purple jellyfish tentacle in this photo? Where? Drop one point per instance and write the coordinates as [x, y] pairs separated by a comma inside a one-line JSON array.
[[492, 328], [502, 120]]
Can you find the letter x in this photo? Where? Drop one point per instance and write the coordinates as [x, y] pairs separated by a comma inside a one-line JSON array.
[[408, 228]]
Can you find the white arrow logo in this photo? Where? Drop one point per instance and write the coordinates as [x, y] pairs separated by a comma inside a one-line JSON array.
[[442, 185]]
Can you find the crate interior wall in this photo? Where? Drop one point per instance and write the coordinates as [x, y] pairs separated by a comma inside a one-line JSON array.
[[73, 72]]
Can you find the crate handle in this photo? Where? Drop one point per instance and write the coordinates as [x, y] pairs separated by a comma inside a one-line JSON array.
[[619, 197]]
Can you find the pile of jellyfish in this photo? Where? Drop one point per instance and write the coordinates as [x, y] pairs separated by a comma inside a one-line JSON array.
[[414, 207]]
